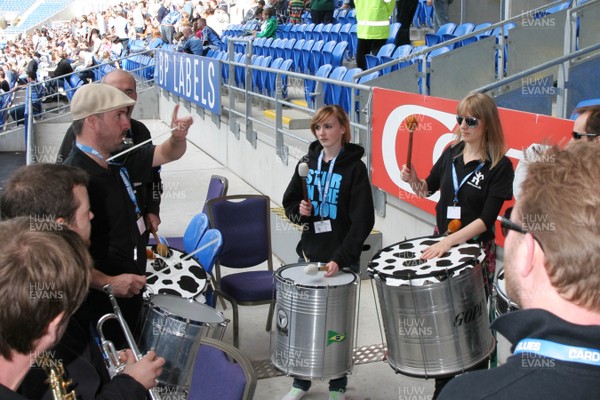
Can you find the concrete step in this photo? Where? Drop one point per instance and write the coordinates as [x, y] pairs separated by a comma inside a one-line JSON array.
[[292, 119]]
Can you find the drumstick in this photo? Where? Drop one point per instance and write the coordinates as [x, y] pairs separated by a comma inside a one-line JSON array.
[[411, 124], [139, 144], [312, 269], [161, 248], [187, 257]]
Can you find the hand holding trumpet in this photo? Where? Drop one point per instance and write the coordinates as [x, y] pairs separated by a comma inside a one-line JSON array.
[[146, 370]]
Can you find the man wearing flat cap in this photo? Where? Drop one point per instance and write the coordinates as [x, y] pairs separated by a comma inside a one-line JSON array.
[[100, 122]]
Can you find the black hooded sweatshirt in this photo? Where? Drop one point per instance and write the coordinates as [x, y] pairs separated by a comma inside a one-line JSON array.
[[349, 206]]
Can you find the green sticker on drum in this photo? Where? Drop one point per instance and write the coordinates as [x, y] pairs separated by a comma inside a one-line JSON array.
[[333, 337]]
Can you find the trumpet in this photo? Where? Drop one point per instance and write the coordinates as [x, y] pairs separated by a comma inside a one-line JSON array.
[[114, 364], [59, 386]]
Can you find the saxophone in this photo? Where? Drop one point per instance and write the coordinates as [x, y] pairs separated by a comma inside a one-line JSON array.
[[59, 386]]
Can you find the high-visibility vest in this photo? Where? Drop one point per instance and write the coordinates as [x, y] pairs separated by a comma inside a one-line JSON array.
[[373, 18]]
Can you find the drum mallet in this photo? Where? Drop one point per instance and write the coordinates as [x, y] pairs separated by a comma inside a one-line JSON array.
[[453, 226], [303, 172], [411, 124], [187, 257], [312, 269]]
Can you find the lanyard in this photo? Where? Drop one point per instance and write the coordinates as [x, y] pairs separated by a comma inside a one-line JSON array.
[[329, 176], [559, 351], [122, 172], [455, 179]]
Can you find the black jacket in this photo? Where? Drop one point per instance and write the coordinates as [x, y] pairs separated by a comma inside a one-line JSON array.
[[525, 376], [349, 207]]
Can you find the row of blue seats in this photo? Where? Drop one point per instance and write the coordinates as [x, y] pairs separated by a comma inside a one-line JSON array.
[[140, 65], [262, 81], [340, 15]]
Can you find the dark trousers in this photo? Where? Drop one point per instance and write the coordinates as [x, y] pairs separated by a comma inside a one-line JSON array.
[[441, 382], [324, 17], [367, 46], [405, 10]]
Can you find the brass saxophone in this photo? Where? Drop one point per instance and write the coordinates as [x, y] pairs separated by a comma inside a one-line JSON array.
[[59, 386]]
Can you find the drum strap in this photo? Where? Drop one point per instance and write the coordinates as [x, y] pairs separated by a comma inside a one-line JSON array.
[[546, 348]]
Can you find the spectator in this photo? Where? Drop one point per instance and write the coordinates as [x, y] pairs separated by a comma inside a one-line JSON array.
[[295, 10], [269, 26], [587, 124], [321, 11], [210, 38], [440, 12], [38, 92], [191, 44], [556, 282], [405, 11], [373, 28], [4, 85]]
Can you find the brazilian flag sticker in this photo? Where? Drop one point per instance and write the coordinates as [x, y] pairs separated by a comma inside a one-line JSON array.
[[335, 337]]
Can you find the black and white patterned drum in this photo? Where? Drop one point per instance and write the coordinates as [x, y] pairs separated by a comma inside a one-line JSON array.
[[434, 311], [315, 323], [503, 305], [174, 275], [173, 327]]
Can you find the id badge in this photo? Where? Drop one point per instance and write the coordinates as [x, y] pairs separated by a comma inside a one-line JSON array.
[[323, 226], [141, 225], [453, 213]]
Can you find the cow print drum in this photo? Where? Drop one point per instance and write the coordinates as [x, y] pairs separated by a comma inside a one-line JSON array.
[[173, 275], [434, 311]]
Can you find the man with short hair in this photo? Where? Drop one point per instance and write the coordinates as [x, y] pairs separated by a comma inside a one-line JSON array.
[[44, 277], [147, 193], [4, 85], [551, 268], [100, 123], [192, 44], [587, 123], [210, 38], [56, 195]]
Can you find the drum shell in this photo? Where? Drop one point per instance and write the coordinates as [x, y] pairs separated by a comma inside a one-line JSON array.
[[305, 316], [437, 329], [177, 339], [502, 305]]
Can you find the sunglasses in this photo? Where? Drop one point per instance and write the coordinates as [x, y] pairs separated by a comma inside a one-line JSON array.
[[472, 122], [590, 136], [507, 225]]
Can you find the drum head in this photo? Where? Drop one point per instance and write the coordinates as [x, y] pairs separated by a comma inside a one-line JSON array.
[[402, 261], [186, 309], [296, 273]]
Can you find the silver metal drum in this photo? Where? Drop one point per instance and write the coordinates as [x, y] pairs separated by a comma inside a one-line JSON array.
[[315, 323], [173, 328], [434, 311], [503, 305]]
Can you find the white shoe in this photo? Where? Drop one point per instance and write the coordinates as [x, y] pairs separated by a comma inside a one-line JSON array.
[[337, 396], [294, 394]]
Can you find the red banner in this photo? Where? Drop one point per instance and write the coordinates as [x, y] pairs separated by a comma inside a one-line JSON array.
[[436, 119]]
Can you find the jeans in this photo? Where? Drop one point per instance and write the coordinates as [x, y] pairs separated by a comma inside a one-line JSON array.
[[440, 14]]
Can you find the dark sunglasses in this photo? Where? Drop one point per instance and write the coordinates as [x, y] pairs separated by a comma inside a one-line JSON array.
[[507, 225], [472, 122], [590, 136]]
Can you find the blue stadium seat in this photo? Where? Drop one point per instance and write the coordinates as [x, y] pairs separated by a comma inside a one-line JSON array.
[[460, 30], [346, 91], [353, 41], [334, 34], [297, 54], [394, 28], [306, 55], [326, 33], [338, 53], [256, 73], [400, 52], [289, 49], [262, 81], [269, 83], [315, 52], [324, 56], [433, 39], [374, 60], [342, 16], [316, 34], [333, 92], [310, 85]]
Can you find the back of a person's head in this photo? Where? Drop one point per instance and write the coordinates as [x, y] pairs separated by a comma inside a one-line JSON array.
[[560, 205], [45, 270]]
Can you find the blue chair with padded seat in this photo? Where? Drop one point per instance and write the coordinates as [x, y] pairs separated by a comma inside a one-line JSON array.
[[221, 372], [244, 222], [217, 187]]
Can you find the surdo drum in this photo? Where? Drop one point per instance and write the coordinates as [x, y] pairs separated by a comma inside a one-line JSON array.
[[503, 305], [173, 327], [434, 311], [315, 323]]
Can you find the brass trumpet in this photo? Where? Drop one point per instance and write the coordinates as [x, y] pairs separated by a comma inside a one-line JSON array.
[[114, 365], [59, 386]]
